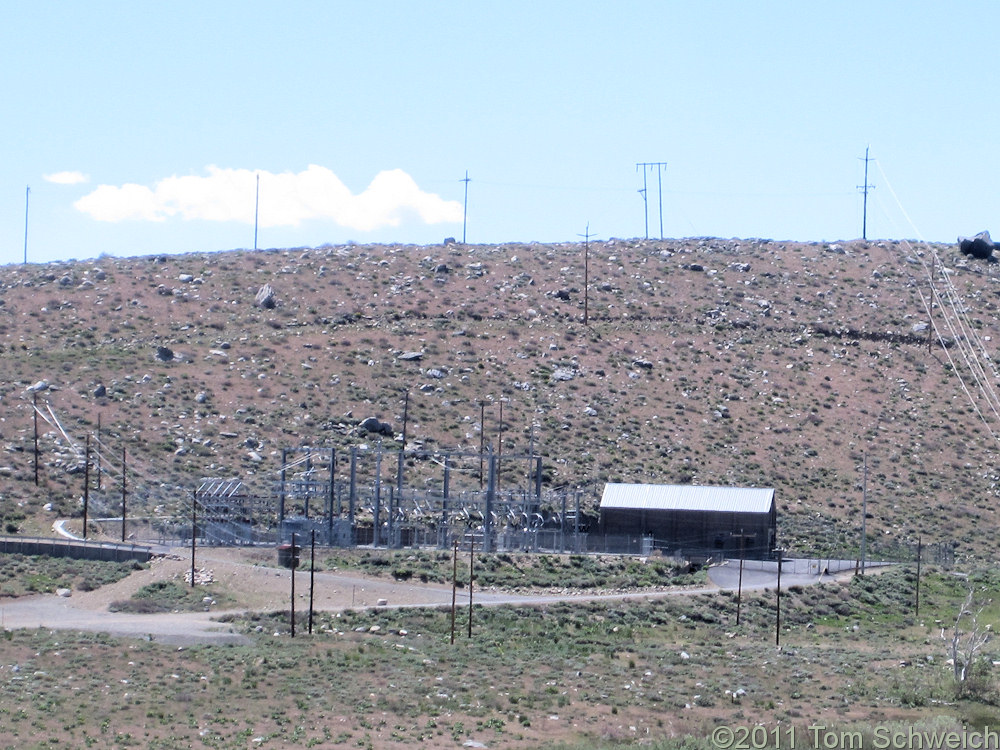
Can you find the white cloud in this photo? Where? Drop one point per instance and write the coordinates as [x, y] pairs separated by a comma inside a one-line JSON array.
[[66, 178], [286, 199]]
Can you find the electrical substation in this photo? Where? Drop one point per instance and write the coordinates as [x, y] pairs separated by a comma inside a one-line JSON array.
[[363, 496]]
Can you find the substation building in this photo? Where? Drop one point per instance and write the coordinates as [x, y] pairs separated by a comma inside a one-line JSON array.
[[691, 521]]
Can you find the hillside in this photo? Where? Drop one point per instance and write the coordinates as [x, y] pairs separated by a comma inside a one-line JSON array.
[[704, 361]]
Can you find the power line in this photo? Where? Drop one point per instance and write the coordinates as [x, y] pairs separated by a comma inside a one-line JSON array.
[[979, 367]]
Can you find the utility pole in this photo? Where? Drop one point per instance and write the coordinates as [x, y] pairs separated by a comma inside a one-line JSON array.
[[659, 166], [100, 485], [930, 307], [739, 586], [465, 204], [294, 559], [500, 438], [586, 273], [377, 510], [123, 492], [777, 614], [86, 485], [865, 188], [659, 194], [312, 578], [454, 586], [194, 531], [402, 449], [27, 194], [645, 201], [919, 551], [472, 554], [34, 414], [482, 438], [256, 212], [864, 515]]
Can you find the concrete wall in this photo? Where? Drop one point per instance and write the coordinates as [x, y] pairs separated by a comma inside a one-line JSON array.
[[107, 551]]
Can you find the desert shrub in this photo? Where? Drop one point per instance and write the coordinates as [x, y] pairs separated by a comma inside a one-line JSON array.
[[166, 596], [21, 574]]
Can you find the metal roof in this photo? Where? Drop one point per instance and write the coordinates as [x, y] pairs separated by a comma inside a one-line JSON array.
[[687, 497]]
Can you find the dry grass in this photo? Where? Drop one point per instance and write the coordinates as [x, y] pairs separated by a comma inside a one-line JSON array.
[[659, 673]]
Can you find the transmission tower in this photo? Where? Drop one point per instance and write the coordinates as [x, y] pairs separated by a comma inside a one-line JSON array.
[[27, 195], [586, 273], [864, 189], [465, 205], [256, 213], [659, 166]]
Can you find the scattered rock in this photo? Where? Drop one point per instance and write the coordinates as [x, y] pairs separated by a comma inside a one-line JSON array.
[[65, 593], [373, 425], [266, 298], [41, 385], [100, 391], [980, 246], [202, 577], [410, 356], [164, 353]]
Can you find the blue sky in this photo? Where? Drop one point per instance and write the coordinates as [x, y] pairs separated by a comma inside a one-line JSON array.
[[142, 127]]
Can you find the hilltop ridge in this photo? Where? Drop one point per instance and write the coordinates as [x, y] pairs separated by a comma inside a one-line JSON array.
[[708, 361]]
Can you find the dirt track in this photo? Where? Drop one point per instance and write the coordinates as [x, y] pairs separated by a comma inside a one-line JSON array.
[[261, 588], [256, 586]]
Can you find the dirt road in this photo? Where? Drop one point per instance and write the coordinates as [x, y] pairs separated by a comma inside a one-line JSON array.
[[259, 587]]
